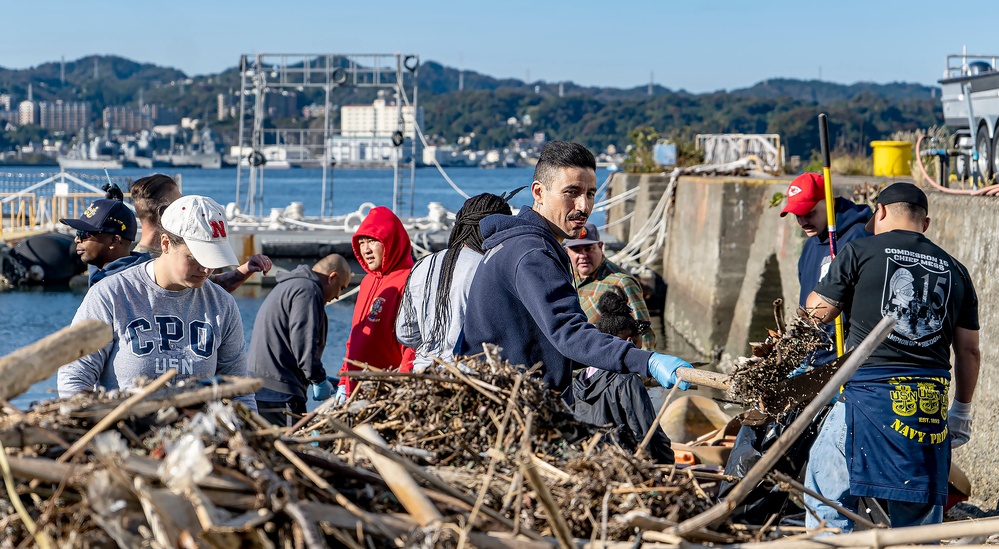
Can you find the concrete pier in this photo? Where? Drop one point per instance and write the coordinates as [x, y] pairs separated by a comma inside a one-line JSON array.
[[729, 255]]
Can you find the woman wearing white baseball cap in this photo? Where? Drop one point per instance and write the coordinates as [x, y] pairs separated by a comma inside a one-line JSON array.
[[195, 236], [163, 314]]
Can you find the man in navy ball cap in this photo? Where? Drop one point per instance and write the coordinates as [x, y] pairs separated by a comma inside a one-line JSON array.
[[104, 236]]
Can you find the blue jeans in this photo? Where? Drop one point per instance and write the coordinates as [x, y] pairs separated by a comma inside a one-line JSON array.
[[827, 474]]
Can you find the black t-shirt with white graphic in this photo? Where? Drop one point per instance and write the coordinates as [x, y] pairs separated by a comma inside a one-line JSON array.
[[903, 275]]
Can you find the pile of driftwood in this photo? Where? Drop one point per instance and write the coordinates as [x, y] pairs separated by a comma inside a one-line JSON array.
[[482, 457], [502, 435], [453, 458]]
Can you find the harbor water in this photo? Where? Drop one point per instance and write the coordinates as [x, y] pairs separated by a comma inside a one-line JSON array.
[[31, 313]]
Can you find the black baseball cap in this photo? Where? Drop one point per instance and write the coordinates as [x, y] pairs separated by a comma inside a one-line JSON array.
[[900, 192], [107, 216], [903, 192]]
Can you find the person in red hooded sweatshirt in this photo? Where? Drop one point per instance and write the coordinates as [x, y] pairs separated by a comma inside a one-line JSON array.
[[381, 245]]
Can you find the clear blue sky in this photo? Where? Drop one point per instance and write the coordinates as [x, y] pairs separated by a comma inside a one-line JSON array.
[[699, 45]]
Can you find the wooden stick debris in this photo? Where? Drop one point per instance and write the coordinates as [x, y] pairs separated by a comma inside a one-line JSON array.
[[659, 418], [715, 380], [770, 458], [781, 477], [120, 412], [402, 485], [463, 472], [38, 361], [495, 453], [431, 479], [400, 524], [877, 538], [555, 518], [232, 386], [43, 540]]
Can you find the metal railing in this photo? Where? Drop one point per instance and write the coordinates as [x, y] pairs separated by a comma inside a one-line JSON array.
[[960, 64], [725, 148], [31, 203]]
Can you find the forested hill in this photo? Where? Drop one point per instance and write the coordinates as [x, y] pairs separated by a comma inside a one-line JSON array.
[[824, 92], [596, 116]]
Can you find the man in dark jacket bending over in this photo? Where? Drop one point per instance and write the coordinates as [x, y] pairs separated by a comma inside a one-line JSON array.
[[806, 201], [522, 297], [289, 335]]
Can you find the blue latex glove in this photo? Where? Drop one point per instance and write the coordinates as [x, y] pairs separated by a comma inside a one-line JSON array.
[[801, 369], [322, 390], [663, 369]]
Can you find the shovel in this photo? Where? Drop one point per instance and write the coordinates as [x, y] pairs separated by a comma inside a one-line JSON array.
[[789, 393], [800, 390]]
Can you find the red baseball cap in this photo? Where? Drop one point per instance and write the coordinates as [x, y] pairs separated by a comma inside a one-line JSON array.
[[807, 190]]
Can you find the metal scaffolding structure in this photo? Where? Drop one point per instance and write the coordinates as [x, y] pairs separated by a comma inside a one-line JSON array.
[[266, 73]]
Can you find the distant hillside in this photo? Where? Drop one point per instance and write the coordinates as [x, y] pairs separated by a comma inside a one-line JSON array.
[[823, 92], [438, 79], [117, 80], [597, 116]]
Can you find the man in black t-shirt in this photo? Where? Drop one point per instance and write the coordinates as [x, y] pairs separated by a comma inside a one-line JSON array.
[[890, 435]]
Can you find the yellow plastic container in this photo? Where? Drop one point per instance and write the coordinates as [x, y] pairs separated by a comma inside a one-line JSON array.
[[892, 158]]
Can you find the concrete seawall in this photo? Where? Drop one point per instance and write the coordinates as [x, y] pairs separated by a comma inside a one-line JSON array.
[[729, 255]]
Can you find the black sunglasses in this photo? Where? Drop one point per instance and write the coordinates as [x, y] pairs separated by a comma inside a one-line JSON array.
[[83, 235]]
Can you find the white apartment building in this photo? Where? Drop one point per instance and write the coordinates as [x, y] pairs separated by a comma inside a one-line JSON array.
[[379, 119], [369, 151], [27, 113], [366, 133]]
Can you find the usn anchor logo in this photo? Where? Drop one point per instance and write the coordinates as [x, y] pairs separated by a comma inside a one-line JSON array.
[[903, 400], [929, 398]]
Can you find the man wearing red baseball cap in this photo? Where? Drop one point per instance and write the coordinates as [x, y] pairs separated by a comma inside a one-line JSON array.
[[806, 200]]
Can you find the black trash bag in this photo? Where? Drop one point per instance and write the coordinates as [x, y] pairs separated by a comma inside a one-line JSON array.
[[750, 445], [620, 400]]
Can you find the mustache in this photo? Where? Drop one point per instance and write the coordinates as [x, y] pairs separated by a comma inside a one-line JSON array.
[[578, 216]]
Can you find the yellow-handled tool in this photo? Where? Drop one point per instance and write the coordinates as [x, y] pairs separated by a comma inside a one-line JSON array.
[[830, 212]]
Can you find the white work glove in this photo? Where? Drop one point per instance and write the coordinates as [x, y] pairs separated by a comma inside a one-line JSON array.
[[340, 396], [959, 423]]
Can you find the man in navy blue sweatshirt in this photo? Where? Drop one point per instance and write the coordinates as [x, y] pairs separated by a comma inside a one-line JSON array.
[[522, 297], [806, 201]]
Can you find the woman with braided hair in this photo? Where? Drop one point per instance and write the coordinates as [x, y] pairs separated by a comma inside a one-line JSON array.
[[433, 304], [621, 400]]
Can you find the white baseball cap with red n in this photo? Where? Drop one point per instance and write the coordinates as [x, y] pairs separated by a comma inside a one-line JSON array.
[[201, 222]]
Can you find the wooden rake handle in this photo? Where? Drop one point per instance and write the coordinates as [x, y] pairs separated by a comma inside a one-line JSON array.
[[715, 380]]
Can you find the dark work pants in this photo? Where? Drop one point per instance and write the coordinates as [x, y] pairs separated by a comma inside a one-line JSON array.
[[279, 413], [622, 401]]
